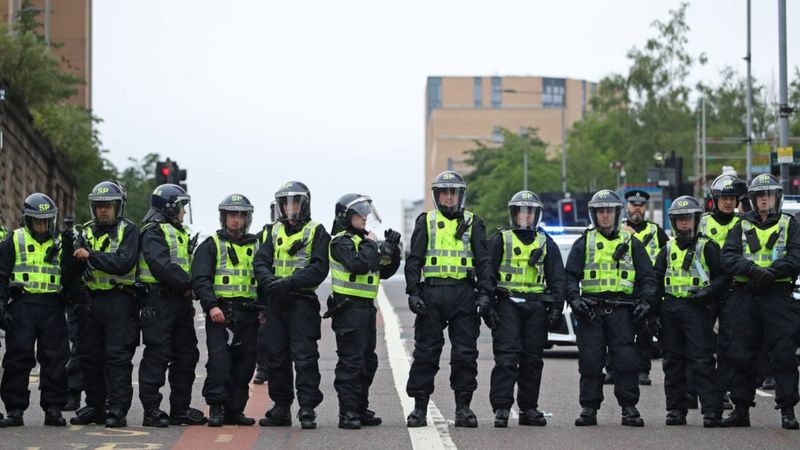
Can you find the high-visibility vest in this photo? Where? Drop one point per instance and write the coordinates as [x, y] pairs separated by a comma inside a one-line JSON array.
[[677, 280], [601, 273], [107, 243], [446, 256], [345, 282], [178, 243], [714, 230], [284, 264], [234, 278], [766, 255], [515, 274], [36, 275], [649, 234]]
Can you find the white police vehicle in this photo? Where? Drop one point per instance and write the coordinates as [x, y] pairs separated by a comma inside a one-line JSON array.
[[564, 237]]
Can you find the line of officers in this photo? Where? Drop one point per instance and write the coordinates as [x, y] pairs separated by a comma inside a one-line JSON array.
[[618, 280]]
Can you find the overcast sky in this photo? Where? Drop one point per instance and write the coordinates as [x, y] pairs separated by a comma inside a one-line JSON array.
[[249, 94]]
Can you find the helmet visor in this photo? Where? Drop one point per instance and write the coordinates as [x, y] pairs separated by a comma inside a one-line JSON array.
[[769, 201], [363, 207], [606, 218], [524, 217], [449, 199], [684, 226], [291, 206]]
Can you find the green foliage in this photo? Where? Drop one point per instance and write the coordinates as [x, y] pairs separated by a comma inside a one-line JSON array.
[[139, 180]]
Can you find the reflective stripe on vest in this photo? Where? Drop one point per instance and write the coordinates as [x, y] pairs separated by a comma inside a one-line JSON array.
[[234, 280], [600, 272], [445, 256], [652, 246], [710, 228], [178, 243], [30, 269], [102, 280], [284, 264], [345, 282], [515, 274], [765, 256], [677, 281]]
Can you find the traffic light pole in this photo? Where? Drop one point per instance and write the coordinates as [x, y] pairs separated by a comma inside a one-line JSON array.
[[784, 109]]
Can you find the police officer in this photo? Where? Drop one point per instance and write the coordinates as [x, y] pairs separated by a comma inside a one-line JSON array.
[[74, 376], [289, 267], [167, 314], [530, 280], [107, 250], [448, 250], [691, 277], [223, 279], [357, 265], [763, 252], [32, 275], [261, 357], [608, 271]]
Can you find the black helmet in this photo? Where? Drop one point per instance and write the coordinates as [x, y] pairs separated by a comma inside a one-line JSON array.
[[40, 207], [108, 192], [770, 185], [350, 204], [274, 212], [236, 203], [606, 198], [527, 203], [290, 193], [166, 201], [683, 206], [453, 182], [727, 184]]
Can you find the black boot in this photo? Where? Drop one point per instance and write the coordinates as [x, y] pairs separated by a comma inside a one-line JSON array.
[[690, 400], [588, 417], [261, 375], [676, 417], [277, 416], [189, 416], [644, 379], [788, 420], [238, 418], [464, 416], [712, 420], [369, 419], [532, 417], [73, 401], [417, 416], [501, 418], [631, 417], [350, 420], [53, 417], [307, 417], [116, 418], [739, 417], [2, 421], [89, 415], [155, 417], [215, 415], [14, 419]]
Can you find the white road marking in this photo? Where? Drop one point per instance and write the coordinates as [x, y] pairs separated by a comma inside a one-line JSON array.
[[761, 393], [433, 436]]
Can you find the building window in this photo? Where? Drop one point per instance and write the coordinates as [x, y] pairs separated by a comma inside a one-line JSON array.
[[477, 92], [523, 131], [496, 92], [497, 135], [434, 93], [553, 90]]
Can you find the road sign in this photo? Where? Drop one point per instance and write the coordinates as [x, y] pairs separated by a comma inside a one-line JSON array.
[[785, 155]]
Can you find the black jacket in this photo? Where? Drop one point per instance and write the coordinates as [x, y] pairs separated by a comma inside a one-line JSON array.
[[367, 258], [307, 277], [733, 254], [661, 235], [720, 280], [204, 267], [121, 261], [155, 251]]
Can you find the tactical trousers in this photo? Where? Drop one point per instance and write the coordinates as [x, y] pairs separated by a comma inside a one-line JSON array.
[[610, 329], [261, 347], [452, 307], [518, 344], [74, 375], [292, 335], [687, 341], [108, 333], [39, 323], [170, 343], [354, 326], [770, 318], [231, 357]]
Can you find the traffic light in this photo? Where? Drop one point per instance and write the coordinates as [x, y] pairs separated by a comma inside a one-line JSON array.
[[178, 176], [567, 212], [169, 172], [709, 204]]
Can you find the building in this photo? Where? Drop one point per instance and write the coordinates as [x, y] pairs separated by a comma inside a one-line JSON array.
[[68, 25], [462, 110], [411, 210]]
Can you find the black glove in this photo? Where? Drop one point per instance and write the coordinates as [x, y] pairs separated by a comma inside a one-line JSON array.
[[502, 293], [581, 307], [390, 243], [416, 304], [484, 307], [6, 319], [640, 312], [279, 287], [554, 319], [761, 277], [700, 294]]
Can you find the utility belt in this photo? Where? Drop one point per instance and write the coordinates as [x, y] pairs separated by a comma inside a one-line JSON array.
[[606, 306], [55, 299], [127, 289], [542, 297], [787, 286], [446, 281], [241, 305]]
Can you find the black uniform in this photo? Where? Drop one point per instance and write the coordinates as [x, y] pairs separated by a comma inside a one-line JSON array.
[[261, 354], [108, 325], [519, 341], [354, 324], [231, 359], [40, 323], [768, 314], [292, 333], [612, 329], [168, 331], [687, 336], [449, 303]]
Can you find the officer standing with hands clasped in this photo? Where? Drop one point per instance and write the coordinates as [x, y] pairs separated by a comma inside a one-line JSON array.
[[762, 251], [530, 286], [289, 266], [357, 266], [448, 251], [223, 279], [167, 314], [691, 277], [610, 286]]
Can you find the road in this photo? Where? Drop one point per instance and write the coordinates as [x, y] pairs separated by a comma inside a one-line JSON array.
[[395, 343]]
